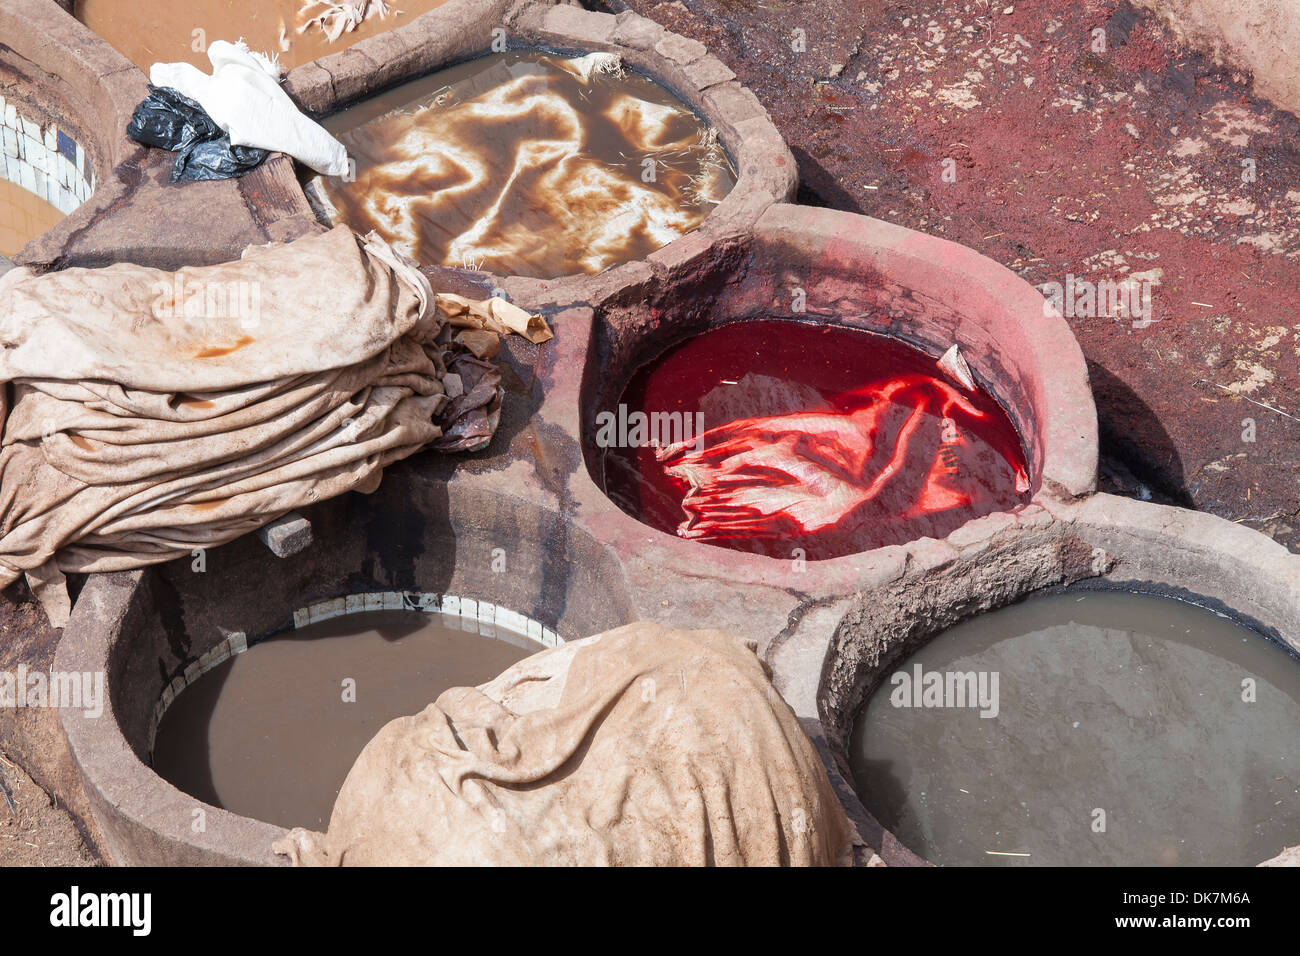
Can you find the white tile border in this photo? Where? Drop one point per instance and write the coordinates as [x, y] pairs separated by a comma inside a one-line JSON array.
[[30, 158], [473, 616]]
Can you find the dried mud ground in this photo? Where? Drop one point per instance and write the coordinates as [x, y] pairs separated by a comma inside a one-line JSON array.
[[34, 830], [1112, 164], [1124, 163]]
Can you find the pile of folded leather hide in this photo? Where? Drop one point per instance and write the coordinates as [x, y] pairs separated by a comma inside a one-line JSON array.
[[154, 413]]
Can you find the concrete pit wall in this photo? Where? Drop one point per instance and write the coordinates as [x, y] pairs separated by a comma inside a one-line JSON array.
[[65, 99]]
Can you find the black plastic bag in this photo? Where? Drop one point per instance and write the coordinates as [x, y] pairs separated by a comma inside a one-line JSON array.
[[168, 120], [217, 159]]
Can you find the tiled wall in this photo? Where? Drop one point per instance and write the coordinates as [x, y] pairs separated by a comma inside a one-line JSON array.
[[46, 161], [477, 617]]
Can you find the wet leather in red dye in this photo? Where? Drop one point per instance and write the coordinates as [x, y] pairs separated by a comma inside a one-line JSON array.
[[817, 441]]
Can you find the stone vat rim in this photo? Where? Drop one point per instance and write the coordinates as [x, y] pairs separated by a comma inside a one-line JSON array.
[[1068, 420], [129, 801]]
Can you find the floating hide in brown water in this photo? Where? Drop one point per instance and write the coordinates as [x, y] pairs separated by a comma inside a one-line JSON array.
[[528, 164]]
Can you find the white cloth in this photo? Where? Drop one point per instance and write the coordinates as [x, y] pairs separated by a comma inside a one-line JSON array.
[[244, 97]]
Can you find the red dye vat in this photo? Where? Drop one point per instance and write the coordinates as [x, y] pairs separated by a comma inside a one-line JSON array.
[[792, 440]]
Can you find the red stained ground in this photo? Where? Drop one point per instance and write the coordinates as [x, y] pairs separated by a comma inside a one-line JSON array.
[[1106, 165]]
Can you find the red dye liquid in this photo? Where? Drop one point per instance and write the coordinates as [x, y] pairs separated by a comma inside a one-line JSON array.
[[811, 437]]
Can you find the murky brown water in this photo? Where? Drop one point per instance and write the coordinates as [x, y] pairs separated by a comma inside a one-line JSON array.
[[514, 164], [23, 217], [1123, 703], [268, 734], [173, 31]]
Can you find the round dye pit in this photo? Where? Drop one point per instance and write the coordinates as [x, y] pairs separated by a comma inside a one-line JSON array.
[[1087, 728], [769, 436], [175, 31], [526, 163], [271, 733], [424, 547]]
